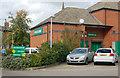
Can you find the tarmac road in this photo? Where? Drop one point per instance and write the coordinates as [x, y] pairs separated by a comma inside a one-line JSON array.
[[68, 70]]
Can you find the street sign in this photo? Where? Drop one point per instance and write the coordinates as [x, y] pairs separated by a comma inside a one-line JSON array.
[[92, 34], [18, 47], [12, 41], [19, 55], [13, 51], [61, 40], [18, 51]]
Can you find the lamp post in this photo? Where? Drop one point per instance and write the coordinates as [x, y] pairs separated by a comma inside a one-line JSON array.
[[12, 39], [51, 32]]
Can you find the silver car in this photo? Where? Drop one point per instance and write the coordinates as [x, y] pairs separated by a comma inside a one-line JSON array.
[[80, 55]]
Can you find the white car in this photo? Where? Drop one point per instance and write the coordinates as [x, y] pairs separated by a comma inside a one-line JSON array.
[[31, 50], [105, 55]]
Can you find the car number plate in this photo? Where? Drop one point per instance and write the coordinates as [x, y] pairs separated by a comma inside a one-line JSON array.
[[103, 55]]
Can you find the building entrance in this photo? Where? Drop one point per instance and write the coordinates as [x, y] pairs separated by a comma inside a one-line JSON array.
[[95, 46]]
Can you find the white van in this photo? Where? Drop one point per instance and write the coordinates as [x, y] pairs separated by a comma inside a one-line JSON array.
[[31, 50]]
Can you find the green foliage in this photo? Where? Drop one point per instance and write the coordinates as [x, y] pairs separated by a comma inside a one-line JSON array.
[[62, 51], [46, 56], [9, 51], [20, 28], [45, 46], [35, 60], [71, 38], [13, 63]]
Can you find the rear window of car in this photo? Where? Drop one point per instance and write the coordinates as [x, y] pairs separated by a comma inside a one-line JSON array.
[[104, 51]]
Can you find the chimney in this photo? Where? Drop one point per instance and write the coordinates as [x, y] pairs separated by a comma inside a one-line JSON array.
[[63, 6]]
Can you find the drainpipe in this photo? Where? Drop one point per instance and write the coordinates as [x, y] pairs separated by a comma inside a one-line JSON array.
[[105, 16]]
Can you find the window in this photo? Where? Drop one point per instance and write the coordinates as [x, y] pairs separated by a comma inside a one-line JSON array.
[[104, 51], [33, 51], [27, 50]]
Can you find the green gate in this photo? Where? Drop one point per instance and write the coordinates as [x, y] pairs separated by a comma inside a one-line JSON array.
[[95, 46]]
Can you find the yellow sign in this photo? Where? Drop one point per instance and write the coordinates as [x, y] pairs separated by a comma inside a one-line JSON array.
[[13, 51], [23, 54], [12, 41], [61, 40]]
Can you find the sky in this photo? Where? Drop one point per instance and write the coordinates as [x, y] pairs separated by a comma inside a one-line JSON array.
[[39, 10]]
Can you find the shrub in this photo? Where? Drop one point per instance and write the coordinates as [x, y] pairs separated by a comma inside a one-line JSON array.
[[9, 51], [13, 63], [62, 51], [35, 60], [48, 56]]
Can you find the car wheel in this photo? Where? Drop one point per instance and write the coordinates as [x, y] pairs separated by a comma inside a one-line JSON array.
[[117, 61], [114, 64], [68, 63], [95, 63], [86, 62]]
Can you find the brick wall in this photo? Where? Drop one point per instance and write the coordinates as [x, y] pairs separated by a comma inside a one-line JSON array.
[[36, 41], [111, 20]]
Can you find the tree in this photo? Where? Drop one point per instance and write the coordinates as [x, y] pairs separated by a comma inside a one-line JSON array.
[[71, 38], [5, 38], [20, 28]]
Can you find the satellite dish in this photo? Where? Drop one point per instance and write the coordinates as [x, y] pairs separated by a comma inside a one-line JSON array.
[[81, 20]]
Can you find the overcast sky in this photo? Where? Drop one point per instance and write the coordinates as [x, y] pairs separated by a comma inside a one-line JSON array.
[[38, 10]]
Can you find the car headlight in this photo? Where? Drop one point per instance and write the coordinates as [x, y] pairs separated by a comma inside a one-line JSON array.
[[82, 57], [68, 57]]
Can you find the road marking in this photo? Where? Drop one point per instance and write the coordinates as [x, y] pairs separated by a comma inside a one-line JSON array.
[[43, 69]]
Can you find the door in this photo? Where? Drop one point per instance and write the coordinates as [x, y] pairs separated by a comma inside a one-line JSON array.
[[117, 47], [95, 46], [82, 44]]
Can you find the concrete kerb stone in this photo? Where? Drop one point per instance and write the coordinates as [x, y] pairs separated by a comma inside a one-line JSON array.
[[41, 67]]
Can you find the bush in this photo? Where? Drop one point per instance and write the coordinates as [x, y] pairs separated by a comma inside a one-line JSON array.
[[9, 51], [35, 60], [62, 51], [13, 63], [46, 56]]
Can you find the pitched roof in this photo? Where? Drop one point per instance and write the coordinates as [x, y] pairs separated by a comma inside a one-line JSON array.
[[73, 15], [99, 5]]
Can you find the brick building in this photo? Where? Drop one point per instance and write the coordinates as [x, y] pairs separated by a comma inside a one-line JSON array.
[[101, 24]]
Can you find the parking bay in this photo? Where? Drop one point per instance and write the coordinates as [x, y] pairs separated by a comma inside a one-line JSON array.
[[69, 70]]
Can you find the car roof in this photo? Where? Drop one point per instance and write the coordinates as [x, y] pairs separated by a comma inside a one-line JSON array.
[[104, 48], [31, 48], [81, 48]]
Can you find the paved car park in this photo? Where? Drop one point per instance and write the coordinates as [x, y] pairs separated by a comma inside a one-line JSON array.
[[68, 70]]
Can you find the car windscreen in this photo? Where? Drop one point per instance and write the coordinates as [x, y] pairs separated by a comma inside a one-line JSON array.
[[77, 51], [104, 51], [27, 50]]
